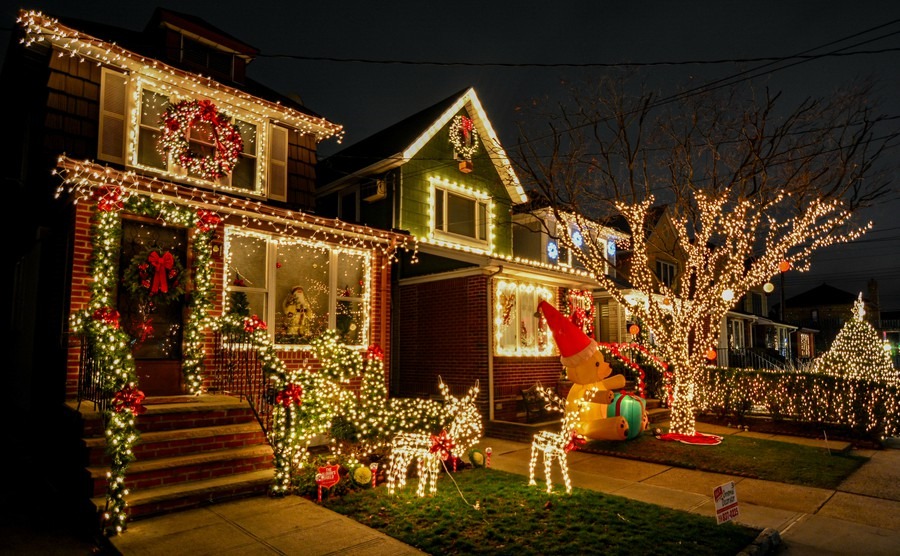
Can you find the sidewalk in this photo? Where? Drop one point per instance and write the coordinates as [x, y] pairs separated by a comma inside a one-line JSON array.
[[862, 516]]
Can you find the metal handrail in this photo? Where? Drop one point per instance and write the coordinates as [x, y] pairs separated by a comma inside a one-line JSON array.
[[237, 371]]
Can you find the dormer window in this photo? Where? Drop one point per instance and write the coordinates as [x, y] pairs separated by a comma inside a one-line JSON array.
[[206, 58]]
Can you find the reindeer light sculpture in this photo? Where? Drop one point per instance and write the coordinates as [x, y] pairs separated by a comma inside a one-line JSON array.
[[556, 445], [429, 450]]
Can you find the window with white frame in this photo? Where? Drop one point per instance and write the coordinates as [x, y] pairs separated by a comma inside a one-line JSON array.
[[131, 110], [519, 327], [460, 214], [299, 287], [665, 272]]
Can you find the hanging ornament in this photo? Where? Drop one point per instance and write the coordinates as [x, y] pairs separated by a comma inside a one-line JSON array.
[[784, 266], [728, 295], [711, 354], [768, 287], [634, 330]]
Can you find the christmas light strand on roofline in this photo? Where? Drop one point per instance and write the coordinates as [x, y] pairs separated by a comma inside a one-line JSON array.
[[40, 28], [81, 178]]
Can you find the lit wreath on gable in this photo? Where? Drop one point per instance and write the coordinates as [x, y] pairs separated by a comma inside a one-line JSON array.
[[180, 117], [464, 138]]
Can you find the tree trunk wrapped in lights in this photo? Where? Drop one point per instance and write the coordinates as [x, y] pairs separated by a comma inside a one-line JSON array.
[[730, 185]]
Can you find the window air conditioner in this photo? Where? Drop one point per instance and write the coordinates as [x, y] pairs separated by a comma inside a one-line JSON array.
[[374, 191]]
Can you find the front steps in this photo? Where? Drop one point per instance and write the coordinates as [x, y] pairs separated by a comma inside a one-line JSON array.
[[193, 451]]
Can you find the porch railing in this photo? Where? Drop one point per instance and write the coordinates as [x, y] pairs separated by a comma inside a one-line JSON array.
[[91, 381], [747, 359], [237, 371]]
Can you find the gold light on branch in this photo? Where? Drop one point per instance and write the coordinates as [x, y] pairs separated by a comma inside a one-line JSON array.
[[718, 258]]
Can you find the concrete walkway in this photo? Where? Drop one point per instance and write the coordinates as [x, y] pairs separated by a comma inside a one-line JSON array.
[[862, 516]]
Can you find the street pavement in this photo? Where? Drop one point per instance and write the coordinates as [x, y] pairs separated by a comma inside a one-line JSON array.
[[861, 516]]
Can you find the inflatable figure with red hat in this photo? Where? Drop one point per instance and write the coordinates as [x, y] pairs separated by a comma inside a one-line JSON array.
[[590, 375]]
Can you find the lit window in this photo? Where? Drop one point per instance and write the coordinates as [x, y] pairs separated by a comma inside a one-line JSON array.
[[519, 327], [300, 288], [460, 215], [665, 272]]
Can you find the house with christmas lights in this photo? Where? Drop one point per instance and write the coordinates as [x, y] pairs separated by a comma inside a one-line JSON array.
[[466, 309], [170, 277]]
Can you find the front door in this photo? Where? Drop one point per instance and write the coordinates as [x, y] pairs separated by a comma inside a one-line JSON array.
[[152, 277]]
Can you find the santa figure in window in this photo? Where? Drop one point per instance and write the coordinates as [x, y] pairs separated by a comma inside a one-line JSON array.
[[297, 313]]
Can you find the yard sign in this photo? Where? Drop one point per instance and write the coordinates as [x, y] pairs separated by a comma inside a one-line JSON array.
[[726, 503]]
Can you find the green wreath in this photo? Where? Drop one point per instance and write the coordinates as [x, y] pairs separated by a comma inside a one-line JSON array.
[[154, 275]]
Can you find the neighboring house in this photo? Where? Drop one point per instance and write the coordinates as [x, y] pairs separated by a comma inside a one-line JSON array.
[[106, 220], [751, 339], [466, 309], [826, 309]]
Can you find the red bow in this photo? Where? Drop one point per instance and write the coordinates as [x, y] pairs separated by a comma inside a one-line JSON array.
[[129, 398], [110, 199], [207, 220], [576, 441], [466, 127], [252, 324], [208, 111], [442, 443], [162, 264], [292, 394], [107, 315], [375, 352]]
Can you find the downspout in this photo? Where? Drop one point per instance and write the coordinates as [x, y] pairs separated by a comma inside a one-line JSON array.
[[490, 341]]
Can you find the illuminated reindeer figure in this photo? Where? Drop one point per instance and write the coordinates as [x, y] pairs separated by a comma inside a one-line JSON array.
[[555, 445], [429, 450]]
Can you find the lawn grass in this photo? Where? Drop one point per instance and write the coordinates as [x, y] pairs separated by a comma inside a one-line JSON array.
[[514, 518], [769, 460]]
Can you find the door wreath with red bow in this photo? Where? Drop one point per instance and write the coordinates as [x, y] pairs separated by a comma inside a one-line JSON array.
[[154, 275]]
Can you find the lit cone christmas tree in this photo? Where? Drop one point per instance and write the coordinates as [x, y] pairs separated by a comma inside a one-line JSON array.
[[857, 352]]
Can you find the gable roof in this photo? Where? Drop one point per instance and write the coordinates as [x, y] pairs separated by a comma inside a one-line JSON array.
[[396, 144], [822, 295], [145, 43]]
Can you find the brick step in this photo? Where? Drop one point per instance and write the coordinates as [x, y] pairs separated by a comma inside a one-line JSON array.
[[167, 471], [182, 442], [182, 496], [168, 414]]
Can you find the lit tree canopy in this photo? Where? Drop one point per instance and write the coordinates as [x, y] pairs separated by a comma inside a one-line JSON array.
[[746, 184], [857, 352]]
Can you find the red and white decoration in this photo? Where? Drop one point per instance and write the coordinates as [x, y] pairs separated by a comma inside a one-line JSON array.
[[177, 121]]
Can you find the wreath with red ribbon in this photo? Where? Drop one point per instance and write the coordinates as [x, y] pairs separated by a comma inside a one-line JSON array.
[[181, 117], [155, 275], [464, 136]]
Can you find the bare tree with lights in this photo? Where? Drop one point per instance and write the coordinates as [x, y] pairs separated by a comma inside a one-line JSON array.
[[751, 187]]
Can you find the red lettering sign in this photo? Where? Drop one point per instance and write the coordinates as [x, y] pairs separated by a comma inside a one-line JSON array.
[[328, 476]]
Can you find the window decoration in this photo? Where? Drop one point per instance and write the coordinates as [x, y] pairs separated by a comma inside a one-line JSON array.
[[552, 250], [577, 239], [519, 329], [181, 118], [611, 248], [580, 310]]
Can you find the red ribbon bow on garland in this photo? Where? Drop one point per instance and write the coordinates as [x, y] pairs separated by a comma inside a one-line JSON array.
[[252, 324], [163, 264], [110, 199], [375, 352], [107, 315], [207, 220], [292, 394], [576, 441], [129, 398], [466, 128], [208, 111], [442, 443]]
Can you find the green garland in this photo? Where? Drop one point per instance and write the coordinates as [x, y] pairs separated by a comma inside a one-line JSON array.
[[99, 325]]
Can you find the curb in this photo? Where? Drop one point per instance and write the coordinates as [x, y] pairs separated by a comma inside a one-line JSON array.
[[767, 542]]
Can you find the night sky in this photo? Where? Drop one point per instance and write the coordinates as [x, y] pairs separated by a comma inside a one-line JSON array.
[[438, 48]]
